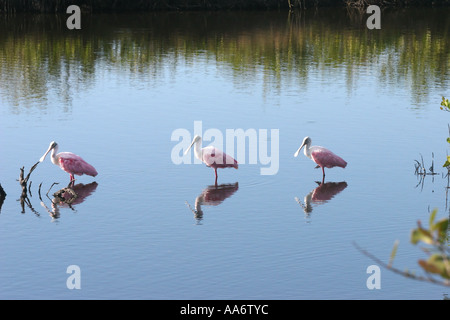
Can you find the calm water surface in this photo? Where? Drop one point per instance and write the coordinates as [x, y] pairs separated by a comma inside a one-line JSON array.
[[116, 91]]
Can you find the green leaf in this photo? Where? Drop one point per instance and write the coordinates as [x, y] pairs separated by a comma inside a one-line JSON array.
[[428, 267], [437, 264], [421, 234], [432, 216], [445, 102], [393, 253], [447, 163], [441, 226]]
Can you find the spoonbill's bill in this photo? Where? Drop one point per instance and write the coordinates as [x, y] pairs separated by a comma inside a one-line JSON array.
[[320, 155], [69, 162], [211, 156]]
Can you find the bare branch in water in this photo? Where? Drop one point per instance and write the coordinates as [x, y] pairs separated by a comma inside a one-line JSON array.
[[51, 187], [31, 170], [421, 172], [406, 274], [23, 181], [65, 195], [2, 196], [39, 191]]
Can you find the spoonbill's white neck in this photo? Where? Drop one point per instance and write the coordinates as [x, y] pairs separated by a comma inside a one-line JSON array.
[[198, 149], [53, 156], [307, 150], [53, 147]]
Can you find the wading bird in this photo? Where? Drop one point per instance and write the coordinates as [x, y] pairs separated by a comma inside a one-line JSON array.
[[320, 155], [211, 156], [69, 162]]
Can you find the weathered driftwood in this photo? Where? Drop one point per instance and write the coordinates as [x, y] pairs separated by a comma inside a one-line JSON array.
[[23, 181], [65, 195]]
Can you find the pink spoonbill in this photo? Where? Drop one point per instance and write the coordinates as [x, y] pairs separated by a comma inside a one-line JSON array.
[[320, 155], [69, 162], [211, 156]]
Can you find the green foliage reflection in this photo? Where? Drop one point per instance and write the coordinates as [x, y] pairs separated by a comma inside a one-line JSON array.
[[38, 54]]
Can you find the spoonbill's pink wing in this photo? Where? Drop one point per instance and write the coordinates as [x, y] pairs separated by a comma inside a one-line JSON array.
[[325, 158], [74, 164], [216, 158]]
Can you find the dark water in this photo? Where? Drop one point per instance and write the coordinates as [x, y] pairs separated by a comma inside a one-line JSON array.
[[117, 93]]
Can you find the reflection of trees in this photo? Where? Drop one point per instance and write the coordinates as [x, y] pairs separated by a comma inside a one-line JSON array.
[[52, 6], [39, 56]]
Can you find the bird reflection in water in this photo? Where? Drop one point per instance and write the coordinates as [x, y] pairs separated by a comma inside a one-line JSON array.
[[212, 196], [320, 195], [69, 197]]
